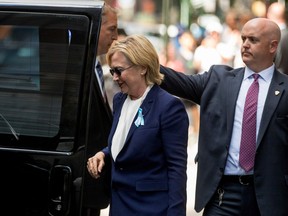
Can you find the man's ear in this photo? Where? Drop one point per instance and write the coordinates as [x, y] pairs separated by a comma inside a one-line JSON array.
[[273, 46]]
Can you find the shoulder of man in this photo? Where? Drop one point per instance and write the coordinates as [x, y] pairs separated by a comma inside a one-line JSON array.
[[222, 68]]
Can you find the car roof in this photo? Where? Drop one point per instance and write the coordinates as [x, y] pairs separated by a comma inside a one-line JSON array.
[[54, 3], [87, 7]]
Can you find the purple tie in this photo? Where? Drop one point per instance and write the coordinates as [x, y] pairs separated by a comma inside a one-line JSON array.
[[248, 138]]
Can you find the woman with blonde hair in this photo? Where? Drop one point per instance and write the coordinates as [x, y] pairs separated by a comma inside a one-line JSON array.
[[148, 139]]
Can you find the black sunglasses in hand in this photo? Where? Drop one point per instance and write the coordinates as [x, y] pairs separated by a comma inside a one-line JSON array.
[[118, 70]]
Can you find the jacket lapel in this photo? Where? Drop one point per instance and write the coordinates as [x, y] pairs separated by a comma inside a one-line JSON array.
[[146, 105], [274, 95], [233, 86]]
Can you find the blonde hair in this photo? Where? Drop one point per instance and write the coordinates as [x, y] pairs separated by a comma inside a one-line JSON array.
[[140, 52]]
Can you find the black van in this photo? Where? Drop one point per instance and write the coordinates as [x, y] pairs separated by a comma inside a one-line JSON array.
[[52, 114]]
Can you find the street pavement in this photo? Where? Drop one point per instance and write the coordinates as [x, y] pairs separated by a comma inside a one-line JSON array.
[[191, 173]]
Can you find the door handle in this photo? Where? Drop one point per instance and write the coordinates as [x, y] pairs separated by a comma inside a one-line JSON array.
[[60, 190]]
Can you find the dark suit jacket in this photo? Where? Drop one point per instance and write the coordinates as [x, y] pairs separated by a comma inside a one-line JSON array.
[[216, 91], [149, 174]]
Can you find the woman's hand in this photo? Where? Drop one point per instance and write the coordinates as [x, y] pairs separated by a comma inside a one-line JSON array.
[[95, 164]]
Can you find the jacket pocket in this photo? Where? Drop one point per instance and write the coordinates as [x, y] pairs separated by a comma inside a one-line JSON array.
[[151, 185]]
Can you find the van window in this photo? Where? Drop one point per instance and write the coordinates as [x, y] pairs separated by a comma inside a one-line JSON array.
[[41, 64]]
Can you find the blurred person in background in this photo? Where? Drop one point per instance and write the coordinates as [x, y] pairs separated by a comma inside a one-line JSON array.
[[231, 31], [180, 58], [186, 50], [146, 14], [276, 13], [212, 50], [172, 58], [148, 140], [187, 46], [231, 35]]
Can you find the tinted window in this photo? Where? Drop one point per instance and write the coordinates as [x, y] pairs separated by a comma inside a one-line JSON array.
[[41, 63]]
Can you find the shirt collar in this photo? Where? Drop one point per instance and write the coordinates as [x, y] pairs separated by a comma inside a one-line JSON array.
[[97, 61], [265, 74]]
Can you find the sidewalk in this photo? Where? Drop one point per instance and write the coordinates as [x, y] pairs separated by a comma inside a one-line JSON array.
[[191, 173]]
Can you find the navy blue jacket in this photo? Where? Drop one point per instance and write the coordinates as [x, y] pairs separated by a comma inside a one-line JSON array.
[[149, 174]]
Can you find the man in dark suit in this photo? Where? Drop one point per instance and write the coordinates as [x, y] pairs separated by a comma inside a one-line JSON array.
[[97, 192], [224, 186], [108, 34]]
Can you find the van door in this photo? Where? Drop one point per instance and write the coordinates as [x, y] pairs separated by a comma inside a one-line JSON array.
[[52, 115]]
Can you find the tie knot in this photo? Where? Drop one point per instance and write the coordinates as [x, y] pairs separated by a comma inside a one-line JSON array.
[[255, 76]]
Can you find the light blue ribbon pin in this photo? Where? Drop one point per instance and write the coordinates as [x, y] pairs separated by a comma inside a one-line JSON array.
[[140, 119]]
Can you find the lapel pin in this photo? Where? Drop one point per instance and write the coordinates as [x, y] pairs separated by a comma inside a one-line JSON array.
[[277, 93]]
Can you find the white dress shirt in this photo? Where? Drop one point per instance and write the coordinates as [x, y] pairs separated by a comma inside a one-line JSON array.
[[232, 164], [128, 113]]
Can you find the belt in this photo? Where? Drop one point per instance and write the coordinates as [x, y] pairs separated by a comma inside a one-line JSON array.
[[241, 179]]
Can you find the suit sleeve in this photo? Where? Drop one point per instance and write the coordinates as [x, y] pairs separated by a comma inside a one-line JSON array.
[[189, 87]]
